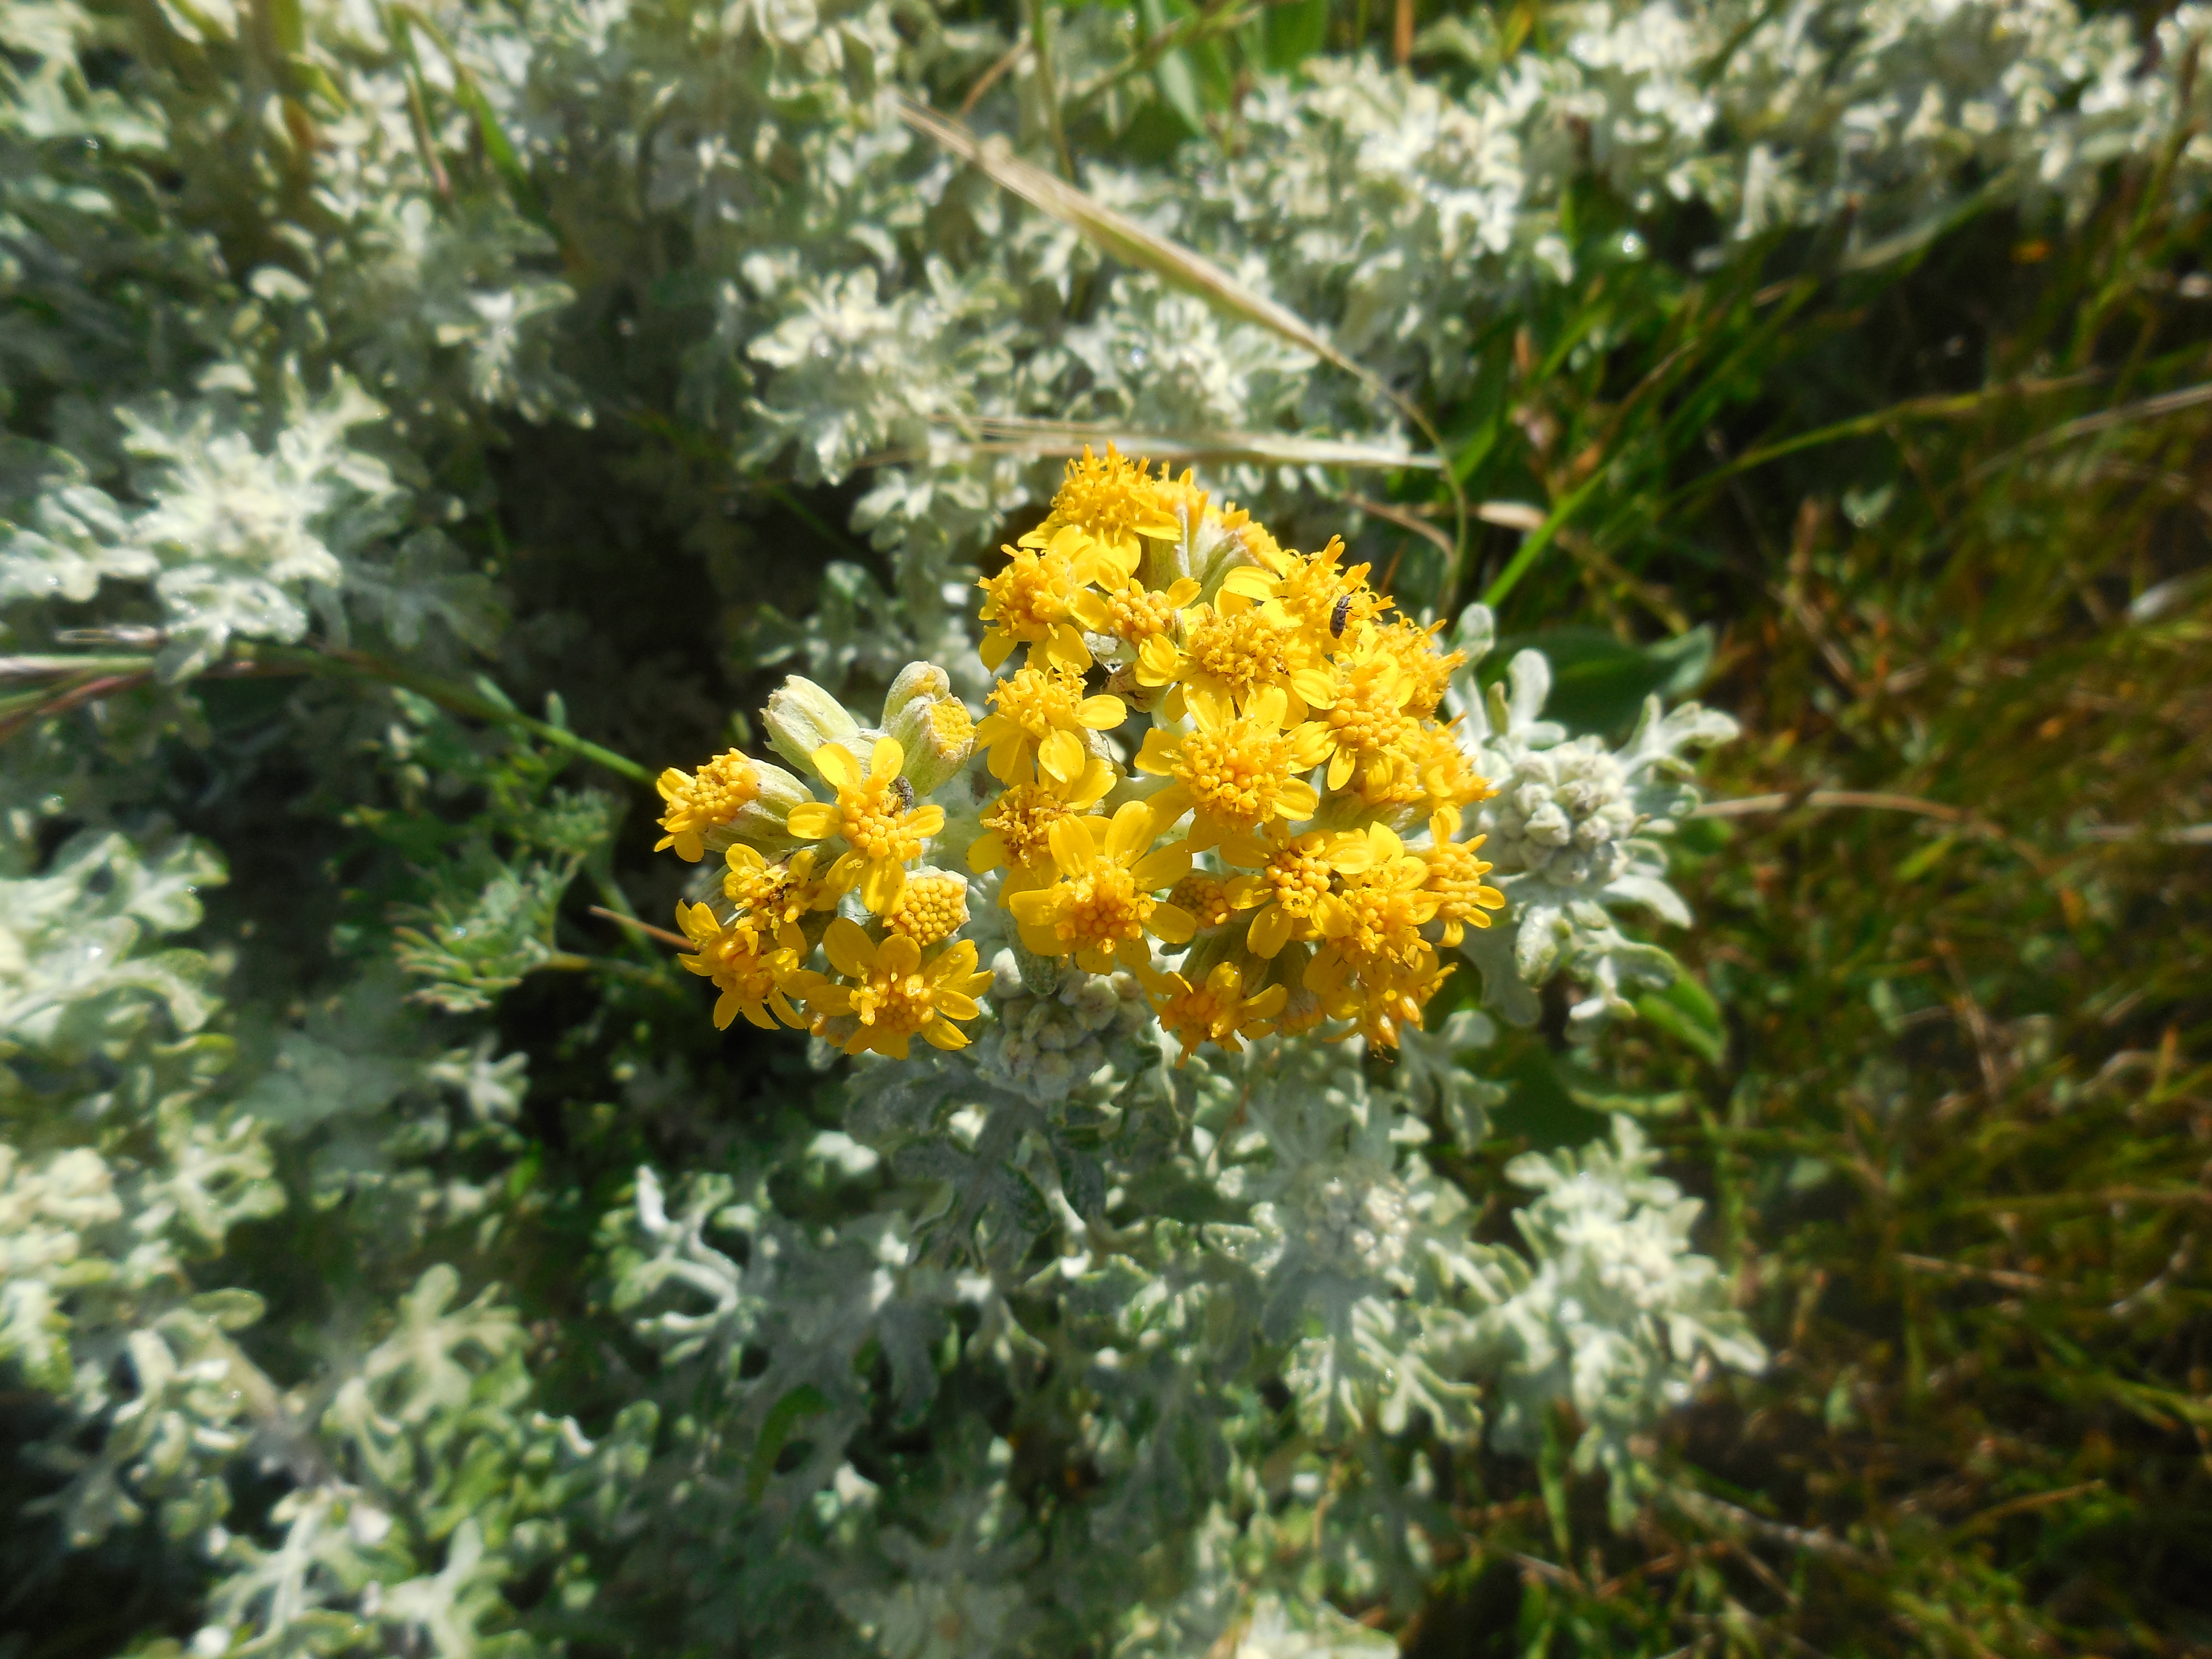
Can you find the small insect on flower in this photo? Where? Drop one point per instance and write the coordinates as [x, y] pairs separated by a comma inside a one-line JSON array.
[[874, 813]]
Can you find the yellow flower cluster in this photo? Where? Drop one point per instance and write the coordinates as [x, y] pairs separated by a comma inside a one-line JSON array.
[[1209, 746], [1291, 724]]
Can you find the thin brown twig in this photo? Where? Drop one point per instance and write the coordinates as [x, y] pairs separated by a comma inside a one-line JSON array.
[[645, 927], [990, 77], [1998, 1276]]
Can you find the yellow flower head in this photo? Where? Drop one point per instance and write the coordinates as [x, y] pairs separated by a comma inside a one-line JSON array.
[[1386, 1000], [876, 816], [1455, 878], [889, 995], [751, 974], [1415, 648], [1295, 875], [1447, 778], [1133, 613], [1236, 773], [1102, 905], [1112, 500], [1363, 711], [1033, 600], [704, 800], [1216, 1010], [1018, 829], [1037, 719], [770, 898], [1236, 655], [1370, 926], [933, 907], [1205, 897]]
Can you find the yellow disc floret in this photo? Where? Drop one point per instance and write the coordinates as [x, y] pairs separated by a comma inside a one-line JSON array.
[[751, 973], [876, 817], [704, 800], [1111, 499], [1216, 1011], [933, 907], [1102, 905], [888, 994], [1235, 773], [1036, 723], [1032, 601]]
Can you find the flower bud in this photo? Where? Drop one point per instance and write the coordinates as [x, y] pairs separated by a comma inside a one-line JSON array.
[[801, 717], [916, 679], [937, 734]]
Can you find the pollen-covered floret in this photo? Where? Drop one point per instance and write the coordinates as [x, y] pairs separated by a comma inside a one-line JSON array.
[[1036, 724], [1116, 502], [934, 907]]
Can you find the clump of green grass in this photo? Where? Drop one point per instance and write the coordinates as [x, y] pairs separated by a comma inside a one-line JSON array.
[[1958, 1144]]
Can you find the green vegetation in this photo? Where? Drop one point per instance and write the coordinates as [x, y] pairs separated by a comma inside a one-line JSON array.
[[422, 424]]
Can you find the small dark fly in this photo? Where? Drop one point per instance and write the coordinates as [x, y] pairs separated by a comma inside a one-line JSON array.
[[905, 794], [1337, 616]]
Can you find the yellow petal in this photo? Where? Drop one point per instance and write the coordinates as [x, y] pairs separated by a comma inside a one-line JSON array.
[[812, 820], [943, 1033], [1132, 829], [1098, 778], [987, 854], [1061, 756], [1158, 659], [1339, 768], [897, 956], [1041, 941], [1172, 923], [671, 783], [926, 821], [881, 887], [1072, 849], [1164, 866], [1317, 687], [1270, 931], [1209, 706], [1065, 649], [887, 759], [1101, 713], [851, 950], [1268, 1002], [1157, 756], [836, 765], [1297, 799], [995, 648], [957, 963]]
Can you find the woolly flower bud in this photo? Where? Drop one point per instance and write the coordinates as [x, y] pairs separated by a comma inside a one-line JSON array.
[[801, 717], [937, 734], [916, 679], [1562, 813]]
